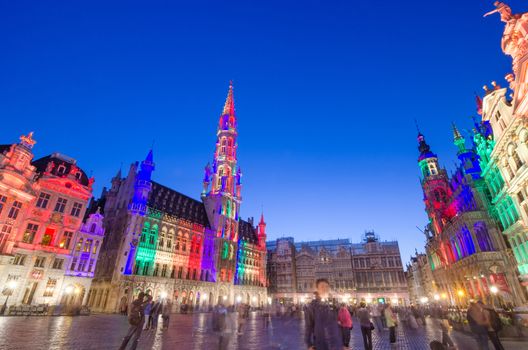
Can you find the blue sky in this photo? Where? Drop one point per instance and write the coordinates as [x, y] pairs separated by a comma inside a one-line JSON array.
[[326, 95]]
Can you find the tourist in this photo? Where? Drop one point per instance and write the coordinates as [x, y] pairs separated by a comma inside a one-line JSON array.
[[446, 339], [392, 322], [223, 325], [478, 323], [344, 320], [363, 315], [243, 315], [148, 317], [155, 312], [376, 316], [166, 311], [136, 319], [494, 325], [322, 331]]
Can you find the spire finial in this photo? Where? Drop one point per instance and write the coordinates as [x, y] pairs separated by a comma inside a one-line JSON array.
[[229, 106], [456, 133], [417, 127], [27, 140]]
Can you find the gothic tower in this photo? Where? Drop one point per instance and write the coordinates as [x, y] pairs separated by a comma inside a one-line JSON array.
[[223, 199], [435, 185]]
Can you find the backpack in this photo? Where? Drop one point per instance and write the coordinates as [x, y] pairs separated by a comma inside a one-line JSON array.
[[134, 317], [219, 321], [495, 320]]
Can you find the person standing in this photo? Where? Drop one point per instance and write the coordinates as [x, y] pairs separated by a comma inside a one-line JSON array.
[[363, 315], [392, 322], [478, 324], [155, 313], [243, 315], [344, 320], [166, 311], [136, 318], [376, 315], [223, 325], [148, 308], [322, 331]]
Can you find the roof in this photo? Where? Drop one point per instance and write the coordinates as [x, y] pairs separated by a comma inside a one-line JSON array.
[[4, 148], [247, 232], [41, 165], [174, 203]]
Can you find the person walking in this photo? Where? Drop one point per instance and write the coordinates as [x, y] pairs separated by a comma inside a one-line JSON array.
[[243, 315], [223, 325], [494, 325], [478, 323], [363, 315], [344, 320], [136, 318], [376, 316], [148, 307], [322, 331], [165, 314], [392, 322]]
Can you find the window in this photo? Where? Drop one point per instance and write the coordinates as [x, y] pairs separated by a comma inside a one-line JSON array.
[[517, 160], [3, 200], [40, 261], [47, 238], [151, 240], [57, 263], [90, 265], [73, 264], [15, 209], [79, 245], [88, 245], [95, 247], [43, 200], [146, 268], [29, 234], [180, 272], [66, 240], [82, 265], [156, 269], [19, 259], [76, 209], [164, 271], [60, 205], [50, 287]]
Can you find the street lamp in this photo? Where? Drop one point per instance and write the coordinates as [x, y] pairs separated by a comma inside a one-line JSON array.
[[163, 295], [436, 297], [424, 300], [238, 298], [11, 285], [494, 290]]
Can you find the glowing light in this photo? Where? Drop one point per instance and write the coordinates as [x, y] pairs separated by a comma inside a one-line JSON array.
[[254, 299], [238, 298], [494, 289], [368, 300], [424, 300], [225, 297], [302, 300], [68, 290], [204, 297], [460, 293], [436, 297], [164, 294], [444, 295], [269, 300], [11, 284]]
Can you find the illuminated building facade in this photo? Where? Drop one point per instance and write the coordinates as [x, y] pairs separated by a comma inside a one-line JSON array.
[[420, 280], [466, 252], [365, 271], [162, 242], [47, 254], [506, 115]]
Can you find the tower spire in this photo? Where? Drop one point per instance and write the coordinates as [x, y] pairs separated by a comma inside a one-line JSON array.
[[229, 106]]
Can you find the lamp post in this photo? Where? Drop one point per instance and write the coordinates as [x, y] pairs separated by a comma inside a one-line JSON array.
[[8, 291]]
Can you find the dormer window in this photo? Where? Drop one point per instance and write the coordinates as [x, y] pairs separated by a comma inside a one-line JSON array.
[[78, 175], [61, 170]]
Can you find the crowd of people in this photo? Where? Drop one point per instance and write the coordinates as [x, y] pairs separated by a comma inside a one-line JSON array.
[[328, 325]]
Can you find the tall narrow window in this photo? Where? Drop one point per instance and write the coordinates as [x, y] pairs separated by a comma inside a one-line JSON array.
[[3, 200], [29, 234], [43, 200], [76, 209], [15, 209], [66, 240], [60, 205]]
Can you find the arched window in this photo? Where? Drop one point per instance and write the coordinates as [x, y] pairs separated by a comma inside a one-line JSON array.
[[144, 233]]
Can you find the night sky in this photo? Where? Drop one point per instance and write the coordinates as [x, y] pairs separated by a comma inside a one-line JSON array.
[[326, 94]]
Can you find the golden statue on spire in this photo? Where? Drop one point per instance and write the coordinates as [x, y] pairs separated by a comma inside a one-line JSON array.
[[27, 140]]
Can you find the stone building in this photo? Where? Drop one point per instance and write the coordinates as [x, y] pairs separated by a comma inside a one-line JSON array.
[[47, 255], [420, 279], [505, 113], [169, 245], [365, 271]]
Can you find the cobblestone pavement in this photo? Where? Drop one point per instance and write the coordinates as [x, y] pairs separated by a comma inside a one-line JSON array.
[[191, 332]]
